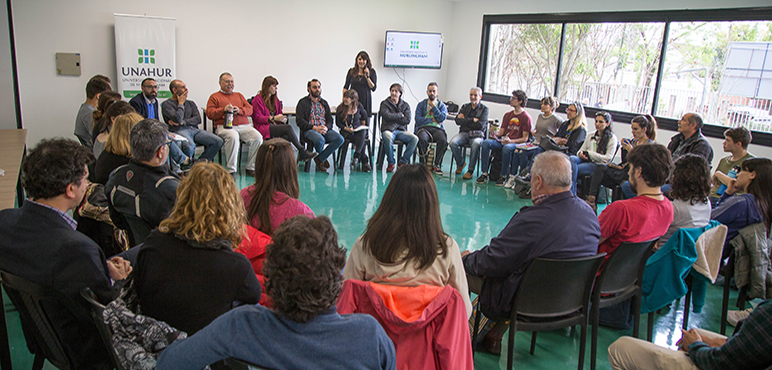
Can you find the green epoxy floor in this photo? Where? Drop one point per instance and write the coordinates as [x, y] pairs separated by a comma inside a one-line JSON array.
[[472, 214]]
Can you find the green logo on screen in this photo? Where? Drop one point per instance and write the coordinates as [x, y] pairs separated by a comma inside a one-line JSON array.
[[146, 56], [414, 44]]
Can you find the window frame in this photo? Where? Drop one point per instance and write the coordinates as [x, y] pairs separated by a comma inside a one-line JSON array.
[[660, 16]]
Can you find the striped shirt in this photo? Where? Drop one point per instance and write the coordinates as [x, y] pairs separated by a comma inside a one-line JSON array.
[[317, 114]]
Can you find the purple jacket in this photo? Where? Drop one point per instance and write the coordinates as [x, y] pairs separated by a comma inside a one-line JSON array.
[[261, 115], [561, 227]]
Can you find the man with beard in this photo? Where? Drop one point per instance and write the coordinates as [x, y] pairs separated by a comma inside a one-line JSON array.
[[314, 120]]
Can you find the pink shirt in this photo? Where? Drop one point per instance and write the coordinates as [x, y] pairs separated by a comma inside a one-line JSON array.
[[283, 207]]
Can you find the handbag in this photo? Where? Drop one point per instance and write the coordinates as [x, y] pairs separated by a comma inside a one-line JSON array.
[[547, 143], [474, 134]]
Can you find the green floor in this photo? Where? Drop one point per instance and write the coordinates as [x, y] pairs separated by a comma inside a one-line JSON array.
[[472, 214]]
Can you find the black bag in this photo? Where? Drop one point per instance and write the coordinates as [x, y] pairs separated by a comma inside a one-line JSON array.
[[548, 143], [452, 107], [474, 134], [495, 171]]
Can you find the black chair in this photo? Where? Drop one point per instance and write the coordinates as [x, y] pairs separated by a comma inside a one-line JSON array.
[[104, 331], [742, 296], [309, 145], [620, 280], [546, 300], [382, 148], [343, 151], [469, 146], [28, 298]]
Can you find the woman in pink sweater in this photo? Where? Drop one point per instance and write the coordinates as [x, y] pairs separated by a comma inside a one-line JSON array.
[[274, 196], [268, 117]]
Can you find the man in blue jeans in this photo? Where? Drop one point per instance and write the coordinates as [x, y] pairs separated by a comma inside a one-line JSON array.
[[515, 129], [471, 121], [395, 114], [182, 117], [314, 120]]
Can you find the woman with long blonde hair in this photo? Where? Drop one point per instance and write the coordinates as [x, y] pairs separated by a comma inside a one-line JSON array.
[[117, 150], [187, 273]]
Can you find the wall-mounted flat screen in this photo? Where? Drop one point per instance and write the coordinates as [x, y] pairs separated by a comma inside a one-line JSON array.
[[413, 50]]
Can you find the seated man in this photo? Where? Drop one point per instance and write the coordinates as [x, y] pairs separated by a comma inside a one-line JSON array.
[[233, 107], [314, 120], [471, 119], [736, 142], [84, 122], [515, 129], [558, 225], [303, 272], [142, 193], [183, 117], [645, 217], [396, 116], [701, 349], [429, 115], [39, 243]]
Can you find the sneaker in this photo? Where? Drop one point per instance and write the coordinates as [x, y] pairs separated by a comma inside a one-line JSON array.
[[733, 317], [510, 182], [187, 164], [460, 169], [467, 175], [306, 155], [437, 170], [401, 165], [525, 180], [525, 194], [390, 168], [500, 181], [482, 179]]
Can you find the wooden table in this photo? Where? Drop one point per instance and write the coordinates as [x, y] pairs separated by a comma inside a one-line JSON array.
[[11, 152]]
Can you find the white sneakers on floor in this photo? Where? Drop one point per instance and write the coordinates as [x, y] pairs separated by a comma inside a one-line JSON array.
[[510, 182], [733, 317]]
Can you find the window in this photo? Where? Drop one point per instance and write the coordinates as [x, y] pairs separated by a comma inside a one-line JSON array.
[[714, 62], [523, 56], [722, 70]]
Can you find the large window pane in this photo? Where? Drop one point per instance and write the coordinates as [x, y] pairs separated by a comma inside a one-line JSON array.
[[611, 65], [524, 57], [723, 70]]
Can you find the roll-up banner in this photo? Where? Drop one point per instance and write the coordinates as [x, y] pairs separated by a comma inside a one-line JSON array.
[[144, 47]]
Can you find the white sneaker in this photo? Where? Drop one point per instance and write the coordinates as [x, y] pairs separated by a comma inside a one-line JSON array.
[[733, 317], [510, 182]]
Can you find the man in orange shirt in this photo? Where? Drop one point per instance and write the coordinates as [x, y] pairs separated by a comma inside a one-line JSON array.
[[231, 106]]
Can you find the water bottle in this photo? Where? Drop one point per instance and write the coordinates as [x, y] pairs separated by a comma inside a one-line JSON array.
[[732, 174], [228, 120]]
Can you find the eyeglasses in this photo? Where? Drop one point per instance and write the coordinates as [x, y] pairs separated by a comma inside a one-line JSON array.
[[601, 113], [168, 143], [570, 110], [154, 87]]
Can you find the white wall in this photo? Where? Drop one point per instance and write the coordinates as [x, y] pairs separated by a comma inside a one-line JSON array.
[[463, 44], [7, 105], [293, 40]]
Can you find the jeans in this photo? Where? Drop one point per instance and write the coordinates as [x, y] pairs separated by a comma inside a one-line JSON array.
[[408, 138], [462, 138], [211, 142], [506, 155], [580, 169], [332, 138], [427, 134]]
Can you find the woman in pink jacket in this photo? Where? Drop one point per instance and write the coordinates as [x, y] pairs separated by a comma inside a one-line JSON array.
[[268, 117]]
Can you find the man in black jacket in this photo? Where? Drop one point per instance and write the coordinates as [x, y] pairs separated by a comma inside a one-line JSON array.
[[471, 119], [314, 120], [142, 193], [39, 243], [395, 114]]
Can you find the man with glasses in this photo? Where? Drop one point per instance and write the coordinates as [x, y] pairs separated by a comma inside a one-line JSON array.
[[142, 193], [146, 103]]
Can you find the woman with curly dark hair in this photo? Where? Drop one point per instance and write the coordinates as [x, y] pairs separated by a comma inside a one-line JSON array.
[[362, 79], [690, 187], [305, 331]]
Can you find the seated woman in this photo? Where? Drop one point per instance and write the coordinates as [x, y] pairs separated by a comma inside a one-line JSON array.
[[187, 273], [690, 187], [274, 196], [754, 206], [350, 115], [600, 149], [644, 130], [303, 330], [404, 243], [268, 117], [102, 123], [547, 125], [117, 150]]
